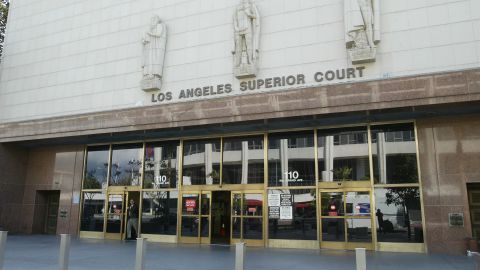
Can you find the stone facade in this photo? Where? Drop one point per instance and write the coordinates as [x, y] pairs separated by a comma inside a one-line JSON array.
[[449, 150], [416, 91]]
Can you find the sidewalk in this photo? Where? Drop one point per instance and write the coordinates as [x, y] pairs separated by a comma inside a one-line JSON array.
[[41, 253]]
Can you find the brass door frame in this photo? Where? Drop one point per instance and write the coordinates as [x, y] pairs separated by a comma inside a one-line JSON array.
[[345, 244], [123, 216], [248, 242], [199, 239]]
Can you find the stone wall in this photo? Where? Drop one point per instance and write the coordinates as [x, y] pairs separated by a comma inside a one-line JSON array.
[[441, 88], [13, 162], [449, 150], [39, 170]]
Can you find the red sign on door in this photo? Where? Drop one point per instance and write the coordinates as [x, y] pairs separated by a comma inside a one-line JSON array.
[[190, 205]]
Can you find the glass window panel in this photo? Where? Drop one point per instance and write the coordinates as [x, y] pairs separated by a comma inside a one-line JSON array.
[[93, 212], [190, 204], [359, 230], [357, 203], [333, 229], [394, 154], [201, 162], [205, 227], [398, 215], [243, 160], [161, 165], [126, 165], [252, 228], [115, 213], [190, 226], [96, 169], [291, 159], [205, 204], [343, 154], [252, 204], [332, 204], [237, 204], [236, 227], [303, 226], [159, 212]]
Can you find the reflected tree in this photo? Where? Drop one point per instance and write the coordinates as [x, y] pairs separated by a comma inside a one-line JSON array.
[[407, 198], [95, 177]]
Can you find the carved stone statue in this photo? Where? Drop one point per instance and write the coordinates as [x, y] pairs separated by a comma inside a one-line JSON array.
[[362, 29], [246, 24], [154, 45]]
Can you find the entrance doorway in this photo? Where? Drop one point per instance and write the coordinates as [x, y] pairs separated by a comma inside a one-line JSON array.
[[117, 221], [220, 229], [346, 219], [53, 199], [46, 212], [474, 204]]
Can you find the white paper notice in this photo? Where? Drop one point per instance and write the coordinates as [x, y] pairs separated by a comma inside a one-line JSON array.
[[286, 212], [273, 199]]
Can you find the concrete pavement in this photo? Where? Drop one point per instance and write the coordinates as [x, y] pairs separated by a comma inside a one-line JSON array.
[[41, 253]]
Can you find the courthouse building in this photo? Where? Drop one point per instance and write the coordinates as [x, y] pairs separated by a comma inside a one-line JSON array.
[[318, 124]]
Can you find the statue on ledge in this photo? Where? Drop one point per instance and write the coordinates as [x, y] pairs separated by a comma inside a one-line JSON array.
[[154, 46], [246, 24], [362, 29]]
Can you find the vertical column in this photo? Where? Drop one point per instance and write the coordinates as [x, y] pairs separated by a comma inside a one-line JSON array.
[[140, 253], [208, 163], [3, 243], [284, 160], [329, 154], [239, 256], [361, 165], [157, 157], [382, 157], [244, 162], [64, 252]]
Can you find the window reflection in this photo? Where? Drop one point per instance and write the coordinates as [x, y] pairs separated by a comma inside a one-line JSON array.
[[394, 154], [303, 226], [190, 226], [357, 203], [96, 169], [93, 212], [398, 215], [247, 216], [159, 212], [126, 165], [242, 160], [359, 230], [201, 162], [343, 154], [114, 213], [253, 228], [333, 229], [252, 204], [332, 204], [291, 159], [161, 165]]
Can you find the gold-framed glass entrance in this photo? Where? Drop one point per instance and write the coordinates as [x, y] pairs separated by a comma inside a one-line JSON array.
[[247, 217], [115, 215], [195, 217], [345, 218], [292, 159]]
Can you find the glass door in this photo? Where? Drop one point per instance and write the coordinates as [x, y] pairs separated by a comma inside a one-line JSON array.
[[247, 218], [196, 217], [346, 220], [115, 218]]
